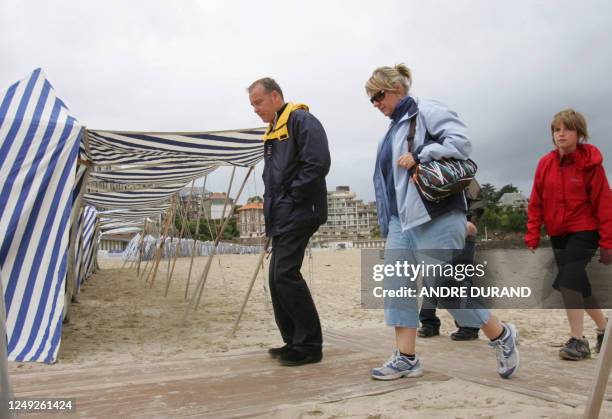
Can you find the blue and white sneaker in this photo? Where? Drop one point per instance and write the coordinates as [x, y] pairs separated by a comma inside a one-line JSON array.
[[396, 367], [507, 354]]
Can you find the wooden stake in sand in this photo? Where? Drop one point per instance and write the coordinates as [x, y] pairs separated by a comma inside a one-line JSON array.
[[141, 245], [253, 278], [145, 272], [195, 300], [229, 189], [161, 244], [184, 221], [127, 259], [195, 238], [602, 373]]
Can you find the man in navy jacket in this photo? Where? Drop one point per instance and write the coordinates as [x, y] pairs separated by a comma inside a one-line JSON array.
[[296, 157]]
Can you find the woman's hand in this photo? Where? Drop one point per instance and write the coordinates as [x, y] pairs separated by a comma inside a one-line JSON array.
[[406, 161], [471, 229]]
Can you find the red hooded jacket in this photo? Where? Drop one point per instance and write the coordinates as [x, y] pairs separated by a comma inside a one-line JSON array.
[[570, 194]]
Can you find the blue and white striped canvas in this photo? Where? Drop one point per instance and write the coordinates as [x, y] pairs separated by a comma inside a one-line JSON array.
[[238, 147], [86, 246], [39, 145], [137, 198]]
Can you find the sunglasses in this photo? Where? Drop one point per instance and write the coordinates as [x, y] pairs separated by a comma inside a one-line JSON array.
[[378, 97]]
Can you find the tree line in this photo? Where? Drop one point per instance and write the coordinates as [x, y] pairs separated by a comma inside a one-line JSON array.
[[496, 219]]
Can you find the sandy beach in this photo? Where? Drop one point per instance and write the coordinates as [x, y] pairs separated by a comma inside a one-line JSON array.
[[120, 320]]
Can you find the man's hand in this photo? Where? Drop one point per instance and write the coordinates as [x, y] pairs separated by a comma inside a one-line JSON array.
[[605, 256], [406, 161]]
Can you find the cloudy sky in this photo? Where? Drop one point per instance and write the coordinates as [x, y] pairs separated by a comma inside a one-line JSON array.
[[505, 66]]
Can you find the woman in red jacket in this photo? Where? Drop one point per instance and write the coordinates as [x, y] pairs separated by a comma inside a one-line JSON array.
[[571, 196]]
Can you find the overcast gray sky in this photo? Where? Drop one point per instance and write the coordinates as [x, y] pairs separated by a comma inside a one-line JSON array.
[[505, 66]]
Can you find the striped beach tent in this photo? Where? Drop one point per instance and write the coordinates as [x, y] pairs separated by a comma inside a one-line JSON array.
[[47, 160], [39, 147]]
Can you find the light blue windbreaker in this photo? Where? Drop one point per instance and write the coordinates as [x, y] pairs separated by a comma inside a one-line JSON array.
[[439, 133]]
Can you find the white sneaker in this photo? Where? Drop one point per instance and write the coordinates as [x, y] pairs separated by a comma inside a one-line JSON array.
[[396, 367], [507, 354]]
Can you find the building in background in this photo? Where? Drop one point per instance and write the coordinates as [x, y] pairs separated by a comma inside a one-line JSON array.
[[515, 200], [217, 203], [349, 219], [197, 202], [250, 223]]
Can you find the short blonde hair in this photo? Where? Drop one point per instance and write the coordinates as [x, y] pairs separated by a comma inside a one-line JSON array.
[[573, 121], [398, 77]]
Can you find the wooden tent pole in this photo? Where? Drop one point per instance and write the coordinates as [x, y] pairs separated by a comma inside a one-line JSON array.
[[215, 237], [161, 245], [144, 271], [229, 188], [253, 278], [195, 301], [218, 234], [172, 232], [602, 373], [152, 260], [185, 220], [134, 263], [141, 245], [195, 238], [125, 263]]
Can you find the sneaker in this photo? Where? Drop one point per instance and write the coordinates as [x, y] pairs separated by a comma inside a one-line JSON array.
[[600, 338], [427, 331], [293, 358], [465, 333], [507, 354], [396, 367], [575, 349], [276, 352]]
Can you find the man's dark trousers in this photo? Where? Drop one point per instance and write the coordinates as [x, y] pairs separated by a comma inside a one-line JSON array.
[[294, 309]]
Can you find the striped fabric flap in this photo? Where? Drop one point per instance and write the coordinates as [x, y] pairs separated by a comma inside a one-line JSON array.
[[238, 148], [39, 146]]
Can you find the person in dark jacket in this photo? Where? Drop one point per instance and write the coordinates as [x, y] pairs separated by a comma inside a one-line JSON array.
[[571, 197], [430, 322], [296, 157]]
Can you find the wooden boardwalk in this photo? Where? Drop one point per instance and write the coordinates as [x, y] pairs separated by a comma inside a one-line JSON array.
[[246, 384]]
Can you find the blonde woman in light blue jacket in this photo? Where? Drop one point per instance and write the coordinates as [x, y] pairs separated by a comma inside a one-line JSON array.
[[410, 223]]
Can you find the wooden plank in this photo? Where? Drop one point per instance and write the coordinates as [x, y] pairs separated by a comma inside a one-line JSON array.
[[219, 386], [539, 374], [250, 383]]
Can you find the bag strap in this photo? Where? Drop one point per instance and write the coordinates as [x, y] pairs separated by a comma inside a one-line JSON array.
[[411, 132]]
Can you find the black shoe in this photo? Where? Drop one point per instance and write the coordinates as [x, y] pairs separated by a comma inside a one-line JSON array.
[[600, 338], [465, 333], [293, 358], [575, 349], [427, 331], [276, 352]]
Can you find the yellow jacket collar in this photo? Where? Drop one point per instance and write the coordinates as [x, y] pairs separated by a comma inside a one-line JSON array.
[[280, 131]]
